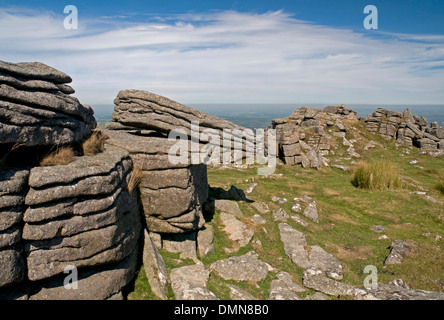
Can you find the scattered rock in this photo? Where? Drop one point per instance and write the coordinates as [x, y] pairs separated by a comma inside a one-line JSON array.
[[280, 215], [205, 241], [237, 293], [299, 220], [244, 268], [237, 231], [378, 229], [251, 188], [257, 219], [398, 250], [296, 207], [262, 207], [308, 257], [155, 268], [278, 200], [190, 283], [311, 212]]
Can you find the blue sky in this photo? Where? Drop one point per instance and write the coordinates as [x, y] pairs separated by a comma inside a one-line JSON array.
[[283, 51]]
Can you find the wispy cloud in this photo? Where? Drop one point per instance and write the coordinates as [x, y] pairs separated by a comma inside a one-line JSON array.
[[229, 57]]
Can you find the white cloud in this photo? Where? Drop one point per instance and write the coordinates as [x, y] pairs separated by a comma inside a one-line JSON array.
[[229, 57]]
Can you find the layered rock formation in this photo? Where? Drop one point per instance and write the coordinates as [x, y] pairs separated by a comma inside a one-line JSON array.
[[58, 220], [407, 129], [172, 192], [308, 134], [37, 110], [302, 137]]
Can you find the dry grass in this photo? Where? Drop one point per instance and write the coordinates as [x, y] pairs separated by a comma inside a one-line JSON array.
[[135, 179], [377, 175], [61, 156], [95, 143]]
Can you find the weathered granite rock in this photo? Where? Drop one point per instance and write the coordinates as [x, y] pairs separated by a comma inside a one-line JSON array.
[[100, 283], [319, 282], [36, 108], [311, 211], [172, 195], [262, 207], [398, 250], [155, 268], [185, 243], [205, 240], [80, 217], [237, 293], [284, 288], [243, 268], [145, 110], [280, 215], [190, 283], [308, 257], [222, 205], [236, 230]]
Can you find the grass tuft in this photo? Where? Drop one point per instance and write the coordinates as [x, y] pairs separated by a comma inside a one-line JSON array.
[[95, 143], [61, 156], [377, 175], [135, 179], [440, 186]]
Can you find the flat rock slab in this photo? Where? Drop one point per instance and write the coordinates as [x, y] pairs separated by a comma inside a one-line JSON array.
[[236, 230], [205, 240], [398, 251], [244, 268], [190, 283], [101, 283], [155, 268], [262, 207], [308, 257], [237, 293]]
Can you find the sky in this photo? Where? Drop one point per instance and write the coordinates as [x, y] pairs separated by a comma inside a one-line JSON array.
[[281, 51]]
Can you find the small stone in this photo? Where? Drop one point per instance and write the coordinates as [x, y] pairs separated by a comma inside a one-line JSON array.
[[296, 207], [312, 212], [251, 188], [257, 219], [280, 215], [378, 228], [278, 200]]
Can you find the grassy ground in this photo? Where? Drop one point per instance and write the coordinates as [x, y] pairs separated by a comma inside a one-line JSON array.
[[346, 215]]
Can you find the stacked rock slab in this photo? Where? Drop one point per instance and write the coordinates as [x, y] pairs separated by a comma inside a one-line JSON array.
[[13, 188], [37, 110], [302, 138], [77, 218], [407, 129], [80, 214], [172, 193]]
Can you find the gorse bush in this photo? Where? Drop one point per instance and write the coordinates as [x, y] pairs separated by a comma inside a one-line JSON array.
[[377, 175]]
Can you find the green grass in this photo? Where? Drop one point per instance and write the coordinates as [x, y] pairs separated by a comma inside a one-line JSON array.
[[377, 175], [346, 215]]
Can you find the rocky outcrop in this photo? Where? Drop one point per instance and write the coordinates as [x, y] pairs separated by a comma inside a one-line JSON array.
[[408, 130], [303, 138], [37, 110], [79, 218]]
